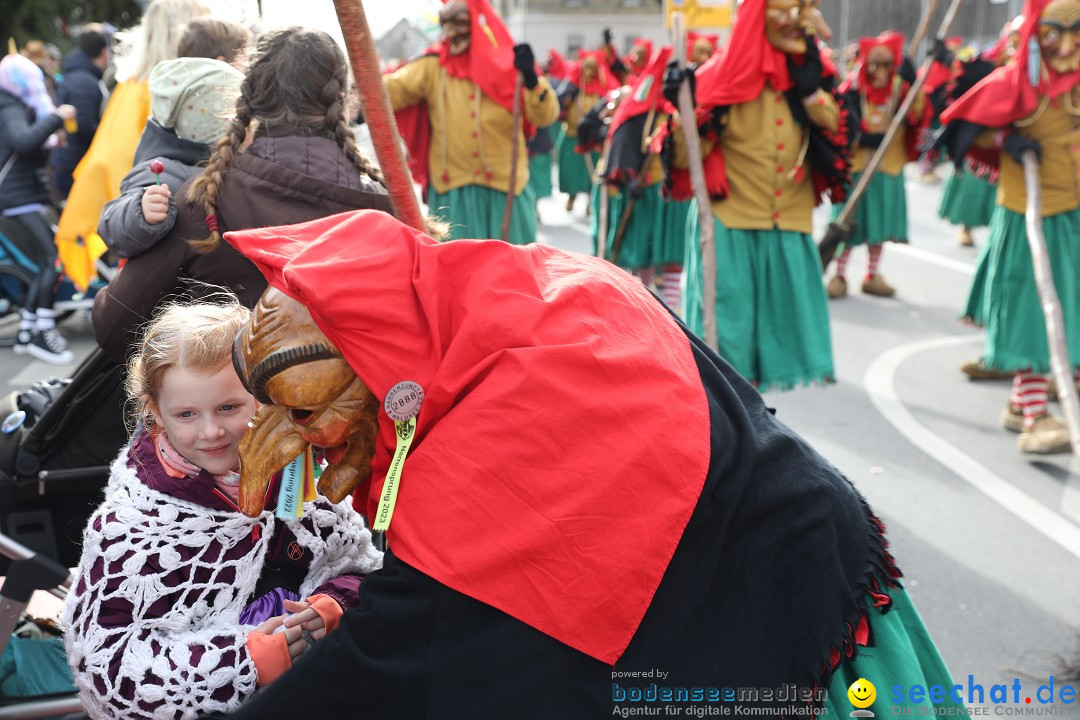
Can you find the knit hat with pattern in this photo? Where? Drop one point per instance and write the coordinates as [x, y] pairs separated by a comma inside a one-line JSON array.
[[195, 97]]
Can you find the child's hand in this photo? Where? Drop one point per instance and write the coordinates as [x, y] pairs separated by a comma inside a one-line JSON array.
[[304, 616], [155, 203], [294, 636]]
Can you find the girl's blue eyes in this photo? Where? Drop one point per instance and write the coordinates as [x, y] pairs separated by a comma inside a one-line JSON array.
[[191, 413]]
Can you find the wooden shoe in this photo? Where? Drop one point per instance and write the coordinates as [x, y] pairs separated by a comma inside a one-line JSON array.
[[965, 238], [1012, 419], [876, 285], [1048, 436], [837, 287], [977, 370]]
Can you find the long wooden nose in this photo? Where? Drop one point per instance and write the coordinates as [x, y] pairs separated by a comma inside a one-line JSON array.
[[269, 445]]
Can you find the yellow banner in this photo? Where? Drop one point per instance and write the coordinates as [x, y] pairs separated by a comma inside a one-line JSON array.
[[700, 14]]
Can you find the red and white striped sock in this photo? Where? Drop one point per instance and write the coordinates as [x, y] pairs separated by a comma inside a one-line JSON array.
[[1014, 393], [875, 259], [841, 262], [671, 287], [1030, 389]]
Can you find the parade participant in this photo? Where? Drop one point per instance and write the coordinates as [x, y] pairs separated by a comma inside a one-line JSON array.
[[28, 131], [511, 587], [110, 155], [775, 143], [81, 88], [700, 46], [587, 82], [181, 604], [633, 179], [465, 133], [635, 61], [302, 163], [970, 195], [191, 107], [540, 146], [1030, 104], [872, 94]]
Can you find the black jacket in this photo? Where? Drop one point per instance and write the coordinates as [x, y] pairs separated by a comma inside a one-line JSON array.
[[83, 89], [22, 132]]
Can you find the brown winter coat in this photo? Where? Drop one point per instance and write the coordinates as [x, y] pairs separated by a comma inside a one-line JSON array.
[[277, 181]]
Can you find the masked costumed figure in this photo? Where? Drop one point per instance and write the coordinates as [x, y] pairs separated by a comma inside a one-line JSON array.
[[460, 128], [970, 192], [588, 81], [774, 144], [1031, 104], [575, 486], [700, 46], [872, 93], [636, 239]]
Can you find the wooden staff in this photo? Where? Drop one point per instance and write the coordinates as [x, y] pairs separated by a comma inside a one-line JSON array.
[[602, 211], [840, 229], [515, 122], [377, 111], [1051, 304], [697, 177]]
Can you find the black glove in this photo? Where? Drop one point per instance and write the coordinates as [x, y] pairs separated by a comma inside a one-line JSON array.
[[607, 36], [807, 75], [941, 53], [871, 140], [525, 62], [907, 71], [673, 80], [1016, 144]]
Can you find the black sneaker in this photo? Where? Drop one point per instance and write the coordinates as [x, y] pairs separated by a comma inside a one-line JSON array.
[[22, 341], [51, 347]]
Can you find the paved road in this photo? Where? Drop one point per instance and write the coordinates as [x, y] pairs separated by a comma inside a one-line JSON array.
[[989, 540]]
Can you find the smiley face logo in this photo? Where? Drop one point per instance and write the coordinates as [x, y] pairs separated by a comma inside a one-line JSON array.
[[862, 693]]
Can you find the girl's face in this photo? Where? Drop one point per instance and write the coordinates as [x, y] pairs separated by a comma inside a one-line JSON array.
[[204, 415]]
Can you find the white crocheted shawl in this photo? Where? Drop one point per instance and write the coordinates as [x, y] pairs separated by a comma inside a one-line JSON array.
[[192, 660]]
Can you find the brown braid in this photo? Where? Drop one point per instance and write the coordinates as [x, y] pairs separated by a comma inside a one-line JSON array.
[[295, 86], [205, 189], [333, 93]]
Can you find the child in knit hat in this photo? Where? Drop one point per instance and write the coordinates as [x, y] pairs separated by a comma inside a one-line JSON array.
[[191, 106]]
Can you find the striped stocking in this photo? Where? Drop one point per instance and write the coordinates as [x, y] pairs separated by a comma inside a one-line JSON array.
[[671, 287], [841, 262], [875, 259], [1030, 391]]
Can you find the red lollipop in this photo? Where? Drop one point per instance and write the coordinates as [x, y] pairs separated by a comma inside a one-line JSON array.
[[157, 167]]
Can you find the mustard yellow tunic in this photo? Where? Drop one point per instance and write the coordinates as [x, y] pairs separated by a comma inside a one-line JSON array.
[[471, 134]]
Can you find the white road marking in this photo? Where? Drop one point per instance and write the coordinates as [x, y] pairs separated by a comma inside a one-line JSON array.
[[933, 257], [879, 385]]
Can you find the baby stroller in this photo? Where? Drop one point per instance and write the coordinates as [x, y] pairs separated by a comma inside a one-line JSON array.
[[19, 263], [54, 460], [49, 680]]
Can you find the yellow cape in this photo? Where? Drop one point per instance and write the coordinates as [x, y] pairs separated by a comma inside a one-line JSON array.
[[97, 179]]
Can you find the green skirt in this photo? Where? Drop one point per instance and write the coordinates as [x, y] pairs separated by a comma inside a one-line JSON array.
[[643, 227], [772, 316], [902, 654], [670, 246], [573, 172], [973, 311], [968, 201], [475, 211], [540, 175], [1008, 301], [882, 213]]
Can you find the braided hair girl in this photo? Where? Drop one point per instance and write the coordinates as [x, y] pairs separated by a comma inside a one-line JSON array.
[[296, 86], [288, 157]]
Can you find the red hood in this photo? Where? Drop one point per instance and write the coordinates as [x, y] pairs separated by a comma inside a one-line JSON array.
[[1008, 94], [564, 436], [647, 92], [894, 43], [602, 82], [489, 60]]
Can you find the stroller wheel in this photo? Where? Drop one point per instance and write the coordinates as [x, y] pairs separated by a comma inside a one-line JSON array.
[[14, 282]]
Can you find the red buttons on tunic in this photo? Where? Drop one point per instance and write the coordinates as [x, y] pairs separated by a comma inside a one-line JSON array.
[[472, 114], [779, 192], [474, 134], [476, 172], [776, 216], [779, 122], [476, 154], [472, 97], [780, 146], [779, 168]]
